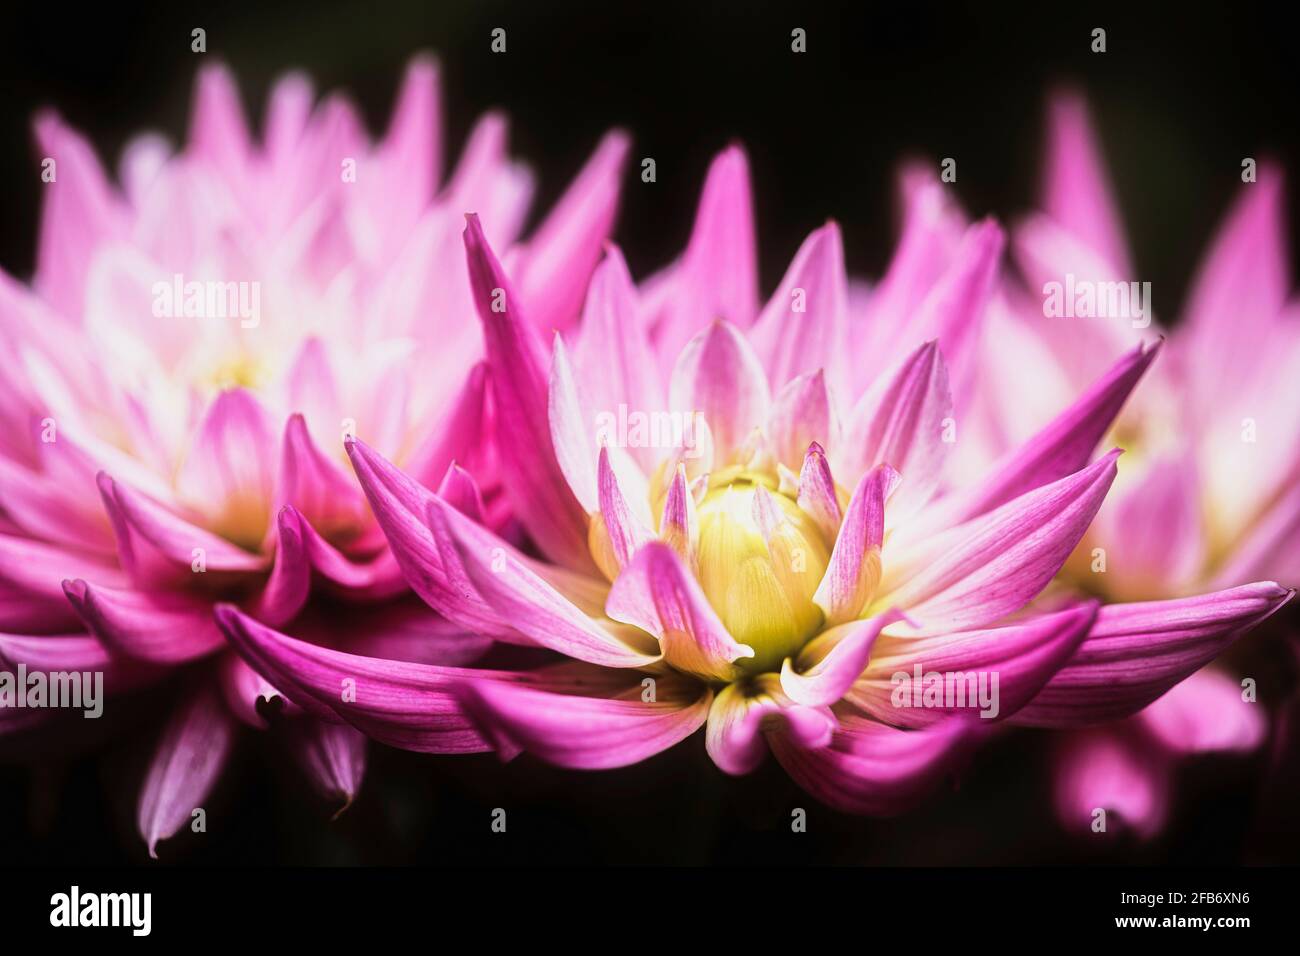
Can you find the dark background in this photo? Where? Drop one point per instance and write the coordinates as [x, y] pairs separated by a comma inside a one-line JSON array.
[[1181, 96]]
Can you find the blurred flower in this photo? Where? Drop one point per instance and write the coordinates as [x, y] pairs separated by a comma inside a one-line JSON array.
[[738, 532], [178, 379], [1208, 496]]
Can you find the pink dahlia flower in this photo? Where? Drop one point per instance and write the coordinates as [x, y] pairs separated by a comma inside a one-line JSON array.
[[179, 376], [734, 530], [1209, 496]]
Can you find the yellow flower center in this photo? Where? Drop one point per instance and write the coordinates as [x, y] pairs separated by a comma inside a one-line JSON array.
[[762, 589]]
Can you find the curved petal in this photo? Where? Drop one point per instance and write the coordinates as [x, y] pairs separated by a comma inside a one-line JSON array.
[[718, 375], [163, 627], [1136, 652], [854, 569], [741, 716], [832, 661], [333, 756], [657, 594]]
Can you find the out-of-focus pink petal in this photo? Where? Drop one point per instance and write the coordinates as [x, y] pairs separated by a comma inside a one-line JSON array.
[[76, 652], [559, 258], [1020, 657], [588, 733], [870, 768], [333, 756], [518, 366], [741, 716], [1136, 652], [164, 627], [461, 491], [1100, 770], [902, 422], [31, 588], [460, 435], [854, 569], [719, 376], [805, 326], [717, 277], [411, 147], [1076, 191], [978, 572], [158, 548], [1206, 713], [81, 214], [1269, 549], [659, 595], [185, 767], [803, 413], [218, 131]]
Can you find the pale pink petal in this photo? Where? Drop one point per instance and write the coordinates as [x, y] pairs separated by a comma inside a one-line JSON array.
[[854, 568], [718, 375], [1101, 771], [803, 413], [830, 663], [817, 495], [1206, 713]]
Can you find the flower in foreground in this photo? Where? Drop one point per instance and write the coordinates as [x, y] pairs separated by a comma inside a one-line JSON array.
[[766, 579], [165, 448], [1209, 497]]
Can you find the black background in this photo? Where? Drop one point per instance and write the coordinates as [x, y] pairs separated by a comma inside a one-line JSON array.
[[1181, 96]]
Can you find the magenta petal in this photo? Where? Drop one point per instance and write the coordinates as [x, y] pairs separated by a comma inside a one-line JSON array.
[[560, 256], [978, 572], [1206, 713], [460, 490], [870, 768], [402, 704], [817, 495], [289, 583], [518, 366], [163, 627], [833, 661], [1101, 770], [333, 756], [903, 421], [531, 605], [659, 595], [719, 376], [190, 757], [1061, 448], [805, 325], [854, 568], [1136, 652], [76, 652], [31, 589], [411, 146], [243, 688], [1021, 657], [588, 733], [317, 486], [430, 566], [626, 532], [741, 717]]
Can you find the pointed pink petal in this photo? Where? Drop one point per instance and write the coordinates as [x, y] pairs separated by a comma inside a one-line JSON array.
[[802, 414], [978, 572], [870, 768], [518, 365], [559, 258], [162, 627], [718, 275], [458, 437], [411, 146], [430, 567], [1076, 191], [817, 496], [679, 527], [613, 349], [1136, 652], [587, 733], [461, 491], [80, 216], [190, 757], [718, 375], [833, 661], [657, 594], [158, 548], [316, 485], [854, 568], [218, 130], [815, 337], [531, 605], [289, 583], [626, 531], [901, 422], [333, 756], [1021, 657]]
